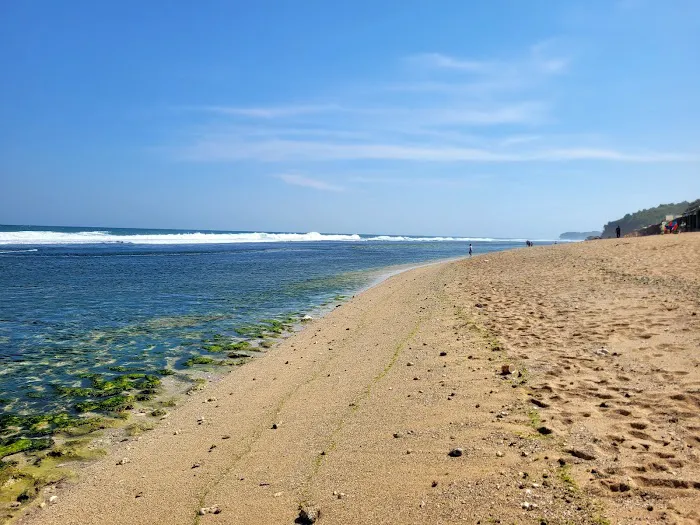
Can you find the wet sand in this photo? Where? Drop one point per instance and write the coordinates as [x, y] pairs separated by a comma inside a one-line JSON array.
[[355, 415]]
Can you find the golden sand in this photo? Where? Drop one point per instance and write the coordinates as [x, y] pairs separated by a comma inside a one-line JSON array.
[[355, 415]]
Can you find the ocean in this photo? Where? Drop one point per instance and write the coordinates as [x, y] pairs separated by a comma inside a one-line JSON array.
[[96, 320]]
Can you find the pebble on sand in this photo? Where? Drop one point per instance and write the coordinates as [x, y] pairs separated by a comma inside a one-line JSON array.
[[308, 514], [456, 452]]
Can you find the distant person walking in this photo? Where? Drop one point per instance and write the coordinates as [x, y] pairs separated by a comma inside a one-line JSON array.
[[618, 231], [470, 249]]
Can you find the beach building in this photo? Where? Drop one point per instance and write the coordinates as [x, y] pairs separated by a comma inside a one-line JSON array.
[[690, 220]]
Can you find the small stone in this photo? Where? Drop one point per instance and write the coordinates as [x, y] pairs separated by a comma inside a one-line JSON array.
[[274, 426], [524, 454], [434, 484], [443, 354], [409, 363], [226, 437], [196, 465], [582, 454], [139, 495], [123, 461], [398, 435], [651, 507], [308, 515], [53, 500], [456, 452], [499, 454], [545, 431]]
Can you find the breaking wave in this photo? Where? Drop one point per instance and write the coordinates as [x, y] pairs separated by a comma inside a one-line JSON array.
[[102, 237]]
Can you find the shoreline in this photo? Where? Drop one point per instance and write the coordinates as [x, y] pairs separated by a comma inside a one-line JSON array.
[[355, 415], [68, 462]]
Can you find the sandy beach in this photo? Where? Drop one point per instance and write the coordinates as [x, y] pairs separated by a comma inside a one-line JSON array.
[[596, 421]]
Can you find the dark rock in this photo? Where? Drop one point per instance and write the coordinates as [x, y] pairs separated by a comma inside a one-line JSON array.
[[539, 402], [308, 515], [456, 452], [443, 354], [582, 454], [545, 431]]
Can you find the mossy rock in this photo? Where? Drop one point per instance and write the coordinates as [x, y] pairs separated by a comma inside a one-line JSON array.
[[118, 403], [24, 445], [198, 360]]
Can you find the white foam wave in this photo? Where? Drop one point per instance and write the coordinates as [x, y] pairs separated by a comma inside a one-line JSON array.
[[102, 237], [428, 239]]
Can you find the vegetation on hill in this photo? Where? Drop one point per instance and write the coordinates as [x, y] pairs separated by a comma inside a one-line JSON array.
[[578, 236], [642, 218], [693, 205]]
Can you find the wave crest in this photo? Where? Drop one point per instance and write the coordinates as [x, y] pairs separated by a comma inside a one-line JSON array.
[[107, 237]]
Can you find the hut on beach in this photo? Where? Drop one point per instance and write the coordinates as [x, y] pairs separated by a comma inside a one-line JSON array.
[[690, 220]]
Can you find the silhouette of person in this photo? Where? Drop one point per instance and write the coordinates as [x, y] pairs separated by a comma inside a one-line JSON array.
[[470, 249], [617, 231]]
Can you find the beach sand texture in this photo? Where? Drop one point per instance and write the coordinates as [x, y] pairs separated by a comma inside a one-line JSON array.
[[599, 423]]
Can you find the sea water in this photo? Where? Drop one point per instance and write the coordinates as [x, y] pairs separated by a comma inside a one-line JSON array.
[[81, 308]]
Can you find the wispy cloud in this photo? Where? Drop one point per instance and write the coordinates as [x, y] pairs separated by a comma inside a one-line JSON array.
[[300, 180], [444, 109], [295, 151], [438, 60], [519, 139], [271, 112], [542, 57]]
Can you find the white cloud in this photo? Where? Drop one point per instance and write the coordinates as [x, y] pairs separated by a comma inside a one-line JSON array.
[[300, 180], [267, 112], [438, 60], [519, 139], [315, 151], [496, 117]]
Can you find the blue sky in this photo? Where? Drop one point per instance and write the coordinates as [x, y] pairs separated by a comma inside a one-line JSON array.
[[500, 118]]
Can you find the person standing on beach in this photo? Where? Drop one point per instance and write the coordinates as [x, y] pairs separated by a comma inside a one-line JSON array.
[[470, 249], [617, 231]]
